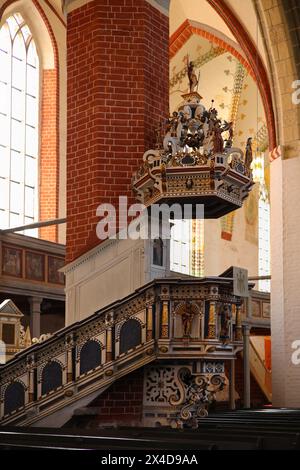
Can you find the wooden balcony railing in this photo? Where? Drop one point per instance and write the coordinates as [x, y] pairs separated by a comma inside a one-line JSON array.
[[166, 319]]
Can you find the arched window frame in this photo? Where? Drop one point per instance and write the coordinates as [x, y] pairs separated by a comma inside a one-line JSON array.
[[20, 113], [47, 31]]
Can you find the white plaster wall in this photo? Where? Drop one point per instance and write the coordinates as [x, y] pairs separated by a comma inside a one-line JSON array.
[[285, 263], [198, 10], [220, 254], [107, 273]]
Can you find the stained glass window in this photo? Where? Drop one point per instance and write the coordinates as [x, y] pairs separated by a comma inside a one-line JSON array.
[[19, 105], [264, 238]]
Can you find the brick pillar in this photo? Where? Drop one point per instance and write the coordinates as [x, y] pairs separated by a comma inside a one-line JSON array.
[[49, 155], [118, 71]]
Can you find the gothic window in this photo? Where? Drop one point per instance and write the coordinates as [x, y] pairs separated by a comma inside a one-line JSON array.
[[19, 112], [264, 238]]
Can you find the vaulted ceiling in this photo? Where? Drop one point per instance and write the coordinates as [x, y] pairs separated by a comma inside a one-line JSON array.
[[225, 80]]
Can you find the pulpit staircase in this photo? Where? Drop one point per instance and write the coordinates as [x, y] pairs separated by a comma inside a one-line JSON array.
[[45, 383]]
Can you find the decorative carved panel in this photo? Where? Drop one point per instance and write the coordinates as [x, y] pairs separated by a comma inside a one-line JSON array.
[[161, 383]]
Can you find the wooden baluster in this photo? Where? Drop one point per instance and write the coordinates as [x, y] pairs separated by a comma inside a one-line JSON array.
[[31, 385], [149, 334], [165, 320], [212, 321], [109, 355], [238, 324], [69, 366]]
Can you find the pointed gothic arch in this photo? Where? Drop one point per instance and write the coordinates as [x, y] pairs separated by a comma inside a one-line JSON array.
[[48, 152]]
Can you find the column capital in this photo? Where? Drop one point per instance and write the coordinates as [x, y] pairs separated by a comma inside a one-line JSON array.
[[246, 329], [35, 302]]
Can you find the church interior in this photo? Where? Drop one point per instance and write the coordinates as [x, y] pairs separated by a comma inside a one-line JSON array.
[[129, 117]]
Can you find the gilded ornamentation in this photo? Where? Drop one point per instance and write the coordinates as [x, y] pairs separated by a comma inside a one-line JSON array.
[[149, 306], [212, 321], [165, 320], [195, 158]]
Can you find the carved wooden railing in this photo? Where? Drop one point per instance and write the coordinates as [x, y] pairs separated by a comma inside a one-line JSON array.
[[83, 359]]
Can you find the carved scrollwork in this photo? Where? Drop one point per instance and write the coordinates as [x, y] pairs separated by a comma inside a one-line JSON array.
[[200, 392]]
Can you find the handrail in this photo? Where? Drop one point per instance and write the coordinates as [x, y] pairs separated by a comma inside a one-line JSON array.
[[152, 308], [117, 303]]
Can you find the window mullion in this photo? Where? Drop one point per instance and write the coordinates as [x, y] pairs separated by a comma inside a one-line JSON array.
[[9, 117]]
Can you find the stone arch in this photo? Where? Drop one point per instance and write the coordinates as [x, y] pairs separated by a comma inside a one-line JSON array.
[[51, 377], [130, 335], [282, 44], [14, 397], [90, 356], [247, 54], [255, 61], [188, 28], [41, 30]]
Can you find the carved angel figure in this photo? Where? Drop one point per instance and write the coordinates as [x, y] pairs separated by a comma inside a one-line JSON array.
[[225, 323]]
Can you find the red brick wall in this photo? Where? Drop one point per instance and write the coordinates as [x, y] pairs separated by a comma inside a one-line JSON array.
[[122, 403], [49, 161], [118, 71]]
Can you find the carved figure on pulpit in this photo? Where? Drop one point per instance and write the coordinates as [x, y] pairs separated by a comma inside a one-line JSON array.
[[225, 323], [173, 124], [187, 319], [218, 139]]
